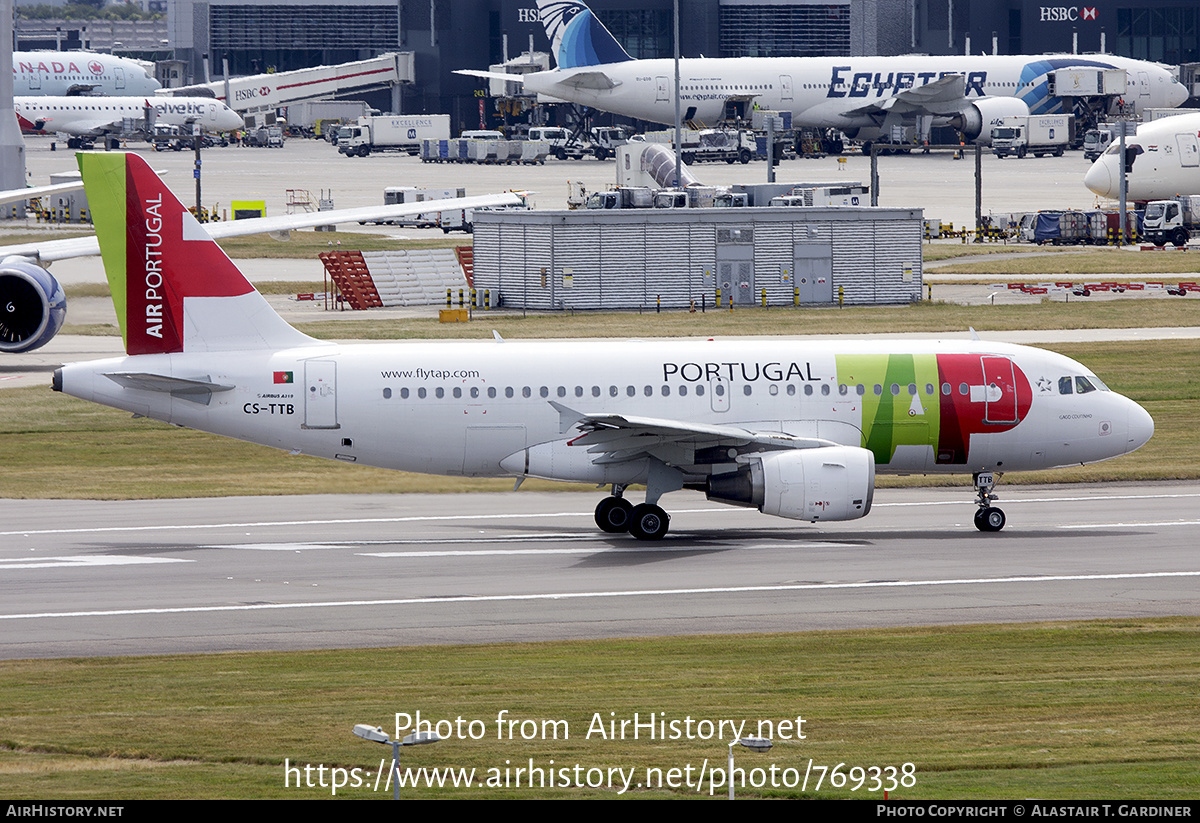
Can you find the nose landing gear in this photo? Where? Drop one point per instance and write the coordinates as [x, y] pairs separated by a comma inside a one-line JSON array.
[[988, 518]]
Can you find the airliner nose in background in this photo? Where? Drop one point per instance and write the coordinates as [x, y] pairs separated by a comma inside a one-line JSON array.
[[1163, 159]]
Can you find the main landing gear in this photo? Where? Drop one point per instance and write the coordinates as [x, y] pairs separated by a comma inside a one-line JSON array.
[[988, 518], [615, 514]]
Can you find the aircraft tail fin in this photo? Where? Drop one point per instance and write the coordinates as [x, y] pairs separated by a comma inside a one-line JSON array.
[[577, 37], [173, 287]]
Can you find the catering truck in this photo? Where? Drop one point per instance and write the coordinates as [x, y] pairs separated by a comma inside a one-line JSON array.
[[392, 132], [1035, 134]]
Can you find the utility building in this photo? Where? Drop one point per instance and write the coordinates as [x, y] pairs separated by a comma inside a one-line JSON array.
[[677, 258]]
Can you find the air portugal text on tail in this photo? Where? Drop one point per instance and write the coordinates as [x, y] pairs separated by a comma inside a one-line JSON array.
[[793, 428]]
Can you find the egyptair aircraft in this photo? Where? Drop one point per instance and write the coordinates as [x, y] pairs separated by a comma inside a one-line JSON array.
[[862, 96], [796, 429], [64, 73], [33, 305], [1163, 159], [85, 118]]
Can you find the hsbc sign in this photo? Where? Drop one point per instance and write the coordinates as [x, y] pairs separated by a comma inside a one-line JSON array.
[[1053, 14]]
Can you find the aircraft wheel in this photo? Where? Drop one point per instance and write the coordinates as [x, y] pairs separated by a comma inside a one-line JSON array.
[[612, 514], [989, 519], [648, 522]]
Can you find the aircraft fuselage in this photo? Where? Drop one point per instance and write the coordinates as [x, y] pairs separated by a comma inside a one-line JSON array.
[[484, 409]]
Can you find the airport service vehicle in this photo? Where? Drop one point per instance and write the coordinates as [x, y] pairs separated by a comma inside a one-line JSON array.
[[862, 96], [1034, 134], [607, 139], [83, 119], [796, 429], [389, 132], [1174, 221], [1162, 160], [1095, 141], [33, 305], [72, 73], [824, 196], [563, 144]]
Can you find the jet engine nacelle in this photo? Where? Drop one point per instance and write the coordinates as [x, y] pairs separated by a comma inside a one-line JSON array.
[[977, 119], [828, 483], [32, 305]]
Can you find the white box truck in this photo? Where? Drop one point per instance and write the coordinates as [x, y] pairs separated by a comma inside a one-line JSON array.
[[388, 132], [1035, 134]]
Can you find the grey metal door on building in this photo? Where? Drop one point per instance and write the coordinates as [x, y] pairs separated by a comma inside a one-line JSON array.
[[812, 265], [735, 273]]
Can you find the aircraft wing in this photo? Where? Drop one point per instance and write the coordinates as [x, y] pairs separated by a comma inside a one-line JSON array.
[[84, 128], [51, 250], [944, 96], [588, 78], [21, 195], [615, 438], [491, 75]]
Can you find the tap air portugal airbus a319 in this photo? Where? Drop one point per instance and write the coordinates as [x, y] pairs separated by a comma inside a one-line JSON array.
[[793, 428], [862, 96]]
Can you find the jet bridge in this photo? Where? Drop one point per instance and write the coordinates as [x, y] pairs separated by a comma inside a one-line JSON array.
[[269, 91]]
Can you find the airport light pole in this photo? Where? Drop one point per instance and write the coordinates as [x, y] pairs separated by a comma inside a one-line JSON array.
[[754, 744], [376, 734], [678, 116]]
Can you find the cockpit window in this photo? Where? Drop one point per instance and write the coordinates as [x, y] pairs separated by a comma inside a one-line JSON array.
[[1064, 385], [1083, 385]]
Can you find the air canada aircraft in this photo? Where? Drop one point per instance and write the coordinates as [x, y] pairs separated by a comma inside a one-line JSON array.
[[63, 73], [90, 117], [1163, 159], [862, 96], [796, 429]]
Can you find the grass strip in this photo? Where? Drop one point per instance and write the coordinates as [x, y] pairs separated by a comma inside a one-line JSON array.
[[1075, 710]]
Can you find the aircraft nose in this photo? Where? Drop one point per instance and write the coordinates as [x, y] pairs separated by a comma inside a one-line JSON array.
[[1177, 95], [1099, 177], [1139, 426]]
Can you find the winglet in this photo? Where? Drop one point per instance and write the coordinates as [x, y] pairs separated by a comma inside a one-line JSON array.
[[173, 287]]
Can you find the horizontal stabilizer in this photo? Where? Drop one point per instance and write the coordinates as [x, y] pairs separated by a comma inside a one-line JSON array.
[[198, 390]]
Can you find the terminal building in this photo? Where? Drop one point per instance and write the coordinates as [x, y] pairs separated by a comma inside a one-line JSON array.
[[444, 35]]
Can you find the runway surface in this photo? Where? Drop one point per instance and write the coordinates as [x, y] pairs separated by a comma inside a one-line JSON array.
[[87, 578]]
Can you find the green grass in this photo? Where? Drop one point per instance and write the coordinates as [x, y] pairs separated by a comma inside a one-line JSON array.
[[1123, 262], [1079, 710], [53, 446], [926, 317], [308, 244]]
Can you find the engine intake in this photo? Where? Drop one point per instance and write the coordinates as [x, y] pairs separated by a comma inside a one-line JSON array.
[[977, 119], [829, 483], [32, 305]]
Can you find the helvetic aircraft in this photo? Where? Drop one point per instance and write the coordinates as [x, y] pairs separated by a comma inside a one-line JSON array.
[[89, 117], [1163, 160], [63, 73], [862, 96], [794, 429], [33, 306]]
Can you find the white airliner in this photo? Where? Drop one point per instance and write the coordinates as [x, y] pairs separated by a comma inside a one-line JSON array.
[[1163, 160], [862, 96], [63, 73], [796, 429], [85, 118], [33, 306]]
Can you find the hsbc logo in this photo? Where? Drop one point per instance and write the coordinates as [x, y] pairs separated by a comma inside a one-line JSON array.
[[528, 16], [1055, 14]]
